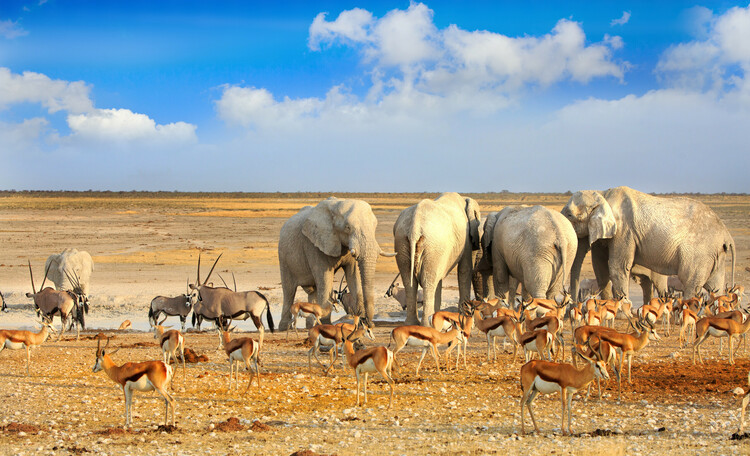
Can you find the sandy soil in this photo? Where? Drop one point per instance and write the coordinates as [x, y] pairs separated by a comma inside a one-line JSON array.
[[145, 245]]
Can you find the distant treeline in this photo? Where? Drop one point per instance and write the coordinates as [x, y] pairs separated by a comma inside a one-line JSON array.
[[305, 195]]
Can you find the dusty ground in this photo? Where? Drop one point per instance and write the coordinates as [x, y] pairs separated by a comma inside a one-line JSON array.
[[145, 245]]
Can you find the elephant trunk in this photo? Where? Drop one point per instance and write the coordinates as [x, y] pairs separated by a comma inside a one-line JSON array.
[[366, 263]]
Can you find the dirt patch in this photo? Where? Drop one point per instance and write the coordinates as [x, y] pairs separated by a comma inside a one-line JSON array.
[[166, 428], [260, 427], [15, 428], [141, 345], [230, 425], [98, 336], [191, 357], [738, 436], [72, 450], [310, 453], [116, 431]]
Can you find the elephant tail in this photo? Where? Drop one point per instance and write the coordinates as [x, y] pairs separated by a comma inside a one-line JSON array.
[[416, 242]]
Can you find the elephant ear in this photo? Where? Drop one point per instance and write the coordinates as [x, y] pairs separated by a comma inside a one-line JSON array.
[[602, 223], [474, 216], [318, 228]]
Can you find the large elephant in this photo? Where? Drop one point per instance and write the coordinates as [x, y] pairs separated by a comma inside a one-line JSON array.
[[431, 238], [70, 264], [670, 236], [317, 241], [531, 244]]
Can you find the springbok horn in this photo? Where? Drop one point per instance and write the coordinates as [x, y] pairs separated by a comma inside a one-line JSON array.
[[212, 267], [32, 278]]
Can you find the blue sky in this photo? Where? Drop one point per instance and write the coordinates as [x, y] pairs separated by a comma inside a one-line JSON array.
[[374, 96]]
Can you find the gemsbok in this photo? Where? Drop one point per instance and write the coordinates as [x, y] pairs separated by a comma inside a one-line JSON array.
[[49, 302], [220, 304]]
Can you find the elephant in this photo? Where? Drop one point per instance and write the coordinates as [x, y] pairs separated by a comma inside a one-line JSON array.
[[482, 278], [317, 241], [669, 236], [70, 264], [531, 244], [431, 238]]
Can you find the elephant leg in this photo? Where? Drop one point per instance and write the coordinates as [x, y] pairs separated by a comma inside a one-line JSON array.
[[622, 255], [464, 276], [600, 263], [438, 296], [289, 290], [646, 288], [502, 278], [429, 303], [323, 288]]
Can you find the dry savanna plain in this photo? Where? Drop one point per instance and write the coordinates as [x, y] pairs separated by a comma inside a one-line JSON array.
[[147, 244]]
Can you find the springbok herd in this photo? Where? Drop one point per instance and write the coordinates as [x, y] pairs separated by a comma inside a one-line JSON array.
[[533, 325]]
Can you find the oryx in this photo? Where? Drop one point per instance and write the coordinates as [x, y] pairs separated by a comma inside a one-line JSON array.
[[179, 306], [219, 304], [49, 302]]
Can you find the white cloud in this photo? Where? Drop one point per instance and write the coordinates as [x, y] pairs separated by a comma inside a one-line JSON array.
[[419, 70], [10, 29], [128, 130], [622, 20], [719, 60], [53, 94], [125, 125], [349, 25]]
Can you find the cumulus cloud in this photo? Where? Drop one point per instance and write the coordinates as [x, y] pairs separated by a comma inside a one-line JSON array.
[[719, 60], [87, 123], [417, 69], [53, 94], [10, 29], [622, 20], [124, 125]]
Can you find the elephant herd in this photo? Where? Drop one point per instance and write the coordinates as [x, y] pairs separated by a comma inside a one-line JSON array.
[[628, 233]]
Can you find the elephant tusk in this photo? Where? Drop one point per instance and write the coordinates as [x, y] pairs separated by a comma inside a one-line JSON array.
[[387, 254], [353, 252]]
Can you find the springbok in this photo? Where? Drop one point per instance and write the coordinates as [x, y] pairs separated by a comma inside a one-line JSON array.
[[607, 353], [689, 319], [397, 292], [170, 341], [240, 350], [425, 337], [326, 335], [307, 309], [49, 302], [145, 376], [221, 304], [539, 341], [368, 360], [547, 377], [627, 345], [14, 339], [717, 327]]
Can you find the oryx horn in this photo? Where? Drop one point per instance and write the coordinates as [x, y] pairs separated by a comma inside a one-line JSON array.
[[212, 268]]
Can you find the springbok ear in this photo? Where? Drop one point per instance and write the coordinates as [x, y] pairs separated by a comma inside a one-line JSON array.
[[318, 228], [602, 223]]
